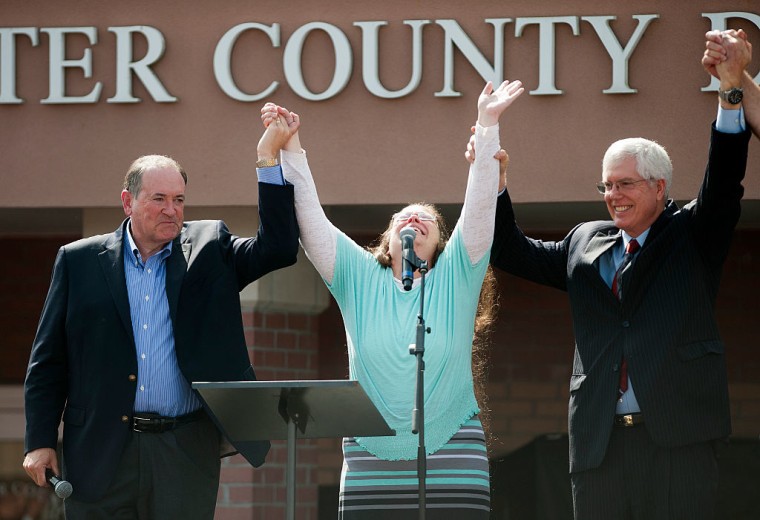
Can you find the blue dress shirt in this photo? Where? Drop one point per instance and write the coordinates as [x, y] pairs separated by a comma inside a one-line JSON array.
[[161, 387]]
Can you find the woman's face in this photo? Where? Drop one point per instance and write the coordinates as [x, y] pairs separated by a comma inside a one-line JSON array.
[[423, 222]]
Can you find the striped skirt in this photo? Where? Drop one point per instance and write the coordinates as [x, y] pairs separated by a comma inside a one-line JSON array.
[[457, 483]]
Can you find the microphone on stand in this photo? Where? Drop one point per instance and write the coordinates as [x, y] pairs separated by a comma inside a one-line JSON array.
[[408, 257], [62, 488]]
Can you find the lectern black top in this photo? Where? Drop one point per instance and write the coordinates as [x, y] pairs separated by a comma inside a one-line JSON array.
[[261, 410]]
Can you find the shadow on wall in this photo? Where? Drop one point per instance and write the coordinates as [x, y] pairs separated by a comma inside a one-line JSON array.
[[23, 500], [532, 483]]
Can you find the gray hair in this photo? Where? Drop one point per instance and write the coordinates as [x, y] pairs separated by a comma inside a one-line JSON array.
[[652, 161], [133, 179]]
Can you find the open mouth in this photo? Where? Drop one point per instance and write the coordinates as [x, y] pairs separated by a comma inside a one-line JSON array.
[[621, 209], [419, 229]]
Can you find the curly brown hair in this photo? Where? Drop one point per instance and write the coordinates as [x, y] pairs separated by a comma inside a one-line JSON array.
[[488, 305]]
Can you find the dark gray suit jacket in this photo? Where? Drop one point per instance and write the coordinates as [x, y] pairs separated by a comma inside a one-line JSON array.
[[84, 351], [665, 325]]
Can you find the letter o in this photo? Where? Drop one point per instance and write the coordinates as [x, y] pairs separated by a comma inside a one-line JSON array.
[[292, 61]]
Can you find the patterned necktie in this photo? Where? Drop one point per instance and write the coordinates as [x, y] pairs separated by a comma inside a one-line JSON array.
[[617, 289], [630, 251]]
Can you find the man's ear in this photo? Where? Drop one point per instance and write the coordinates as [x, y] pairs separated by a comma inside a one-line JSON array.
[[661, 189], [126, 202]]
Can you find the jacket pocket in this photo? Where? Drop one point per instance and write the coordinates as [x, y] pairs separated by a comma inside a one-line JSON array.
[[700, 348], [73, 416]]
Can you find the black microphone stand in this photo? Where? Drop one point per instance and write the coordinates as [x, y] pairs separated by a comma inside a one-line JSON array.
[[418, 414]]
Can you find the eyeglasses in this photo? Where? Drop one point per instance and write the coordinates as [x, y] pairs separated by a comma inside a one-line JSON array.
[[424, 216], [624, 185]]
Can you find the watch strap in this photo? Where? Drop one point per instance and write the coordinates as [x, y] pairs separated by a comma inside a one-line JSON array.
[[267, 163]]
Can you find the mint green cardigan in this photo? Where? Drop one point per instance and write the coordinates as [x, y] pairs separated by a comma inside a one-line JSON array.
[[380, 320]]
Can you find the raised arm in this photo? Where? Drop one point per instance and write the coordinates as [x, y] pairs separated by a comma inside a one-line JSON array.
[[477, 219], [318, 235]]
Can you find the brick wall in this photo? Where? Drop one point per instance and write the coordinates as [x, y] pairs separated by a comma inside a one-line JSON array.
[[530, 359], [283, 346]]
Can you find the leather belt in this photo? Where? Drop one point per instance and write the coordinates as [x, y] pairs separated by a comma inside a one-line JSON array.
[[628, 420], [145, 422]]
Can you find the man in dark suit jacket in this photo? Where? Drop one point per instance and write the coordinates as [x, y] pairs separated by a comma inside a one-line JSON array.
[[648, 390], [131, 319]]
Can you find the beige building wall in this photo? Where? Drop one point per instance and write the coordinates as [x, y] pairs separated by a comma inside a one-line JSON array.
[[62, 163], [364, 149]]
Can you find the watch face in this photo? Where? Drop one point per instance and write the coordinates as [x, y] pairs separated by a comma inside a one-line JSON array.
[[733, 96]]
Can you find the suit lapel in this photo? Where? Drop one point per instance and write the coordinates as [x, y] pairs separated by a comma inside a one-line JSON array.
[[176, 267], [599, 244], [112, 263], [651, 254]]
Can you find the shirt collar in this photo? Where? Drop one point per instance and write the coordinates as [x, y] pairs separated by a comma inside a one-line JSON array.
[[165, 251], [640, 239]]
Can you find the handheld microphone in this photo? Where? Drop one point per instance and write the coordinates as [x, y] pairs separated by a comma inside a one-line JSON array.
[[408, 257], [61, 487]]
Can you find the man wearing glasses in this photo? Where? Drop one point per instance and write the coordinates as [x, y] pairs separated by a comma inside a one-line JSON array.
[[648, 391]]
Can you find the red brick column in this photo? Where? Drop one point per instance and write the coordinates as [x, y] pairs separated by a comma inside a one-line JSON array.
[[282, 346]]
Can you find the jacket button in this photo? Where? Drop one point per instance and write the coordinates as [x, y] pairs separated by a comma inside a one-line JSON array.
[[615, 367], [626, 324], [132, 377], [124, 418]]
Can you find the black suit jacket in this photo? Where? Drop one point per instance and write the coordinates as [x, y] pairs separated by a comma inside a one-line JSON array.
[[84, 351], [665, 324]]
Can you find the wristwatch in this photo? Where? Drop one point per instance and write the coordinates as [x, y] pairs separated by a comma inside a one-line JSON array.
[[267, 163], [732, 96]]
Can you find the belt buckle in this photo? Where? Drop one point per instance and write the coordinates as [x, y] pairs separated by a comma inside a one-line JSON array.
[[153, 424], [627, 420], [148, 424], [137, 423]]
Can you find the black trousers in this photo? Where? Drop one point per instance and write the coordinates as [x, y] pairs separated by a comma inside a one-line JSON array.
[[639, 480], [174, 474]]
